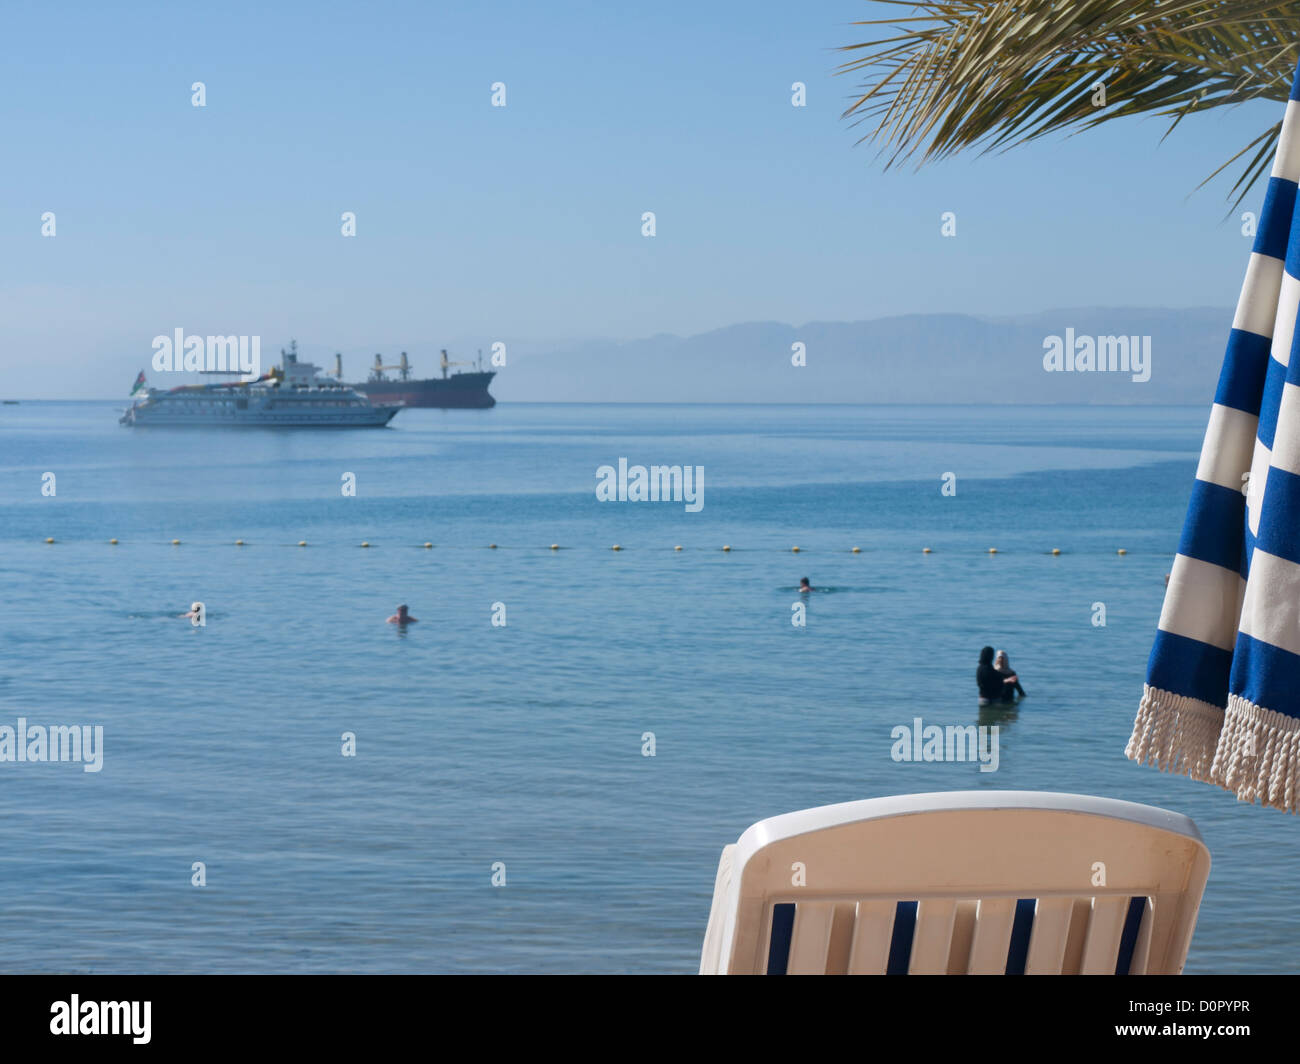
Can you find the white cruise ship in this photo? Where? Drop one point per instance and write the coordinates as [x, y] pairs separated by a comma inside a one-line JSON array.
[[293, 396]]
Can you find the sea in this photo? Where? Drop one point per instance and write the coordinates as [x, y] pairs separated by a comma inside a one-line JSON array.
[[540, 774]]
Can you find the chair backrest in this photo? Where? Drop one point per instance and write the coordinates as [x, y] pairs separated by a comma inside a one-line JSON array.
[[981, 882]]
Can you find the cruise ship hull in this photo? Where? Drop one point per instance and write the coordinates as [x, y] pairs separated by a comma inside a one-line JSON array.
[[361, 418], [292, 397], [461, 391]]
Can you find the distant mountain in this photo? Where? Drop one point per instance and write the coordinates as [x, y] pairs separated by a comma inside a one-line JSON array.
[[913, 358]]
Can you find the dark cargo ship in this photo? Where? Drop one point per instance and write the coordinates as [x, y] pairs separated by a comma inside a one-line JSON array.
[[455, 391]]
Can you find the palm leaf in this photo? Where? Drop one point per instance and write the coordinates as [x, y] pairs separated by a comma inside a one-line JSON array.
[[991, 74]]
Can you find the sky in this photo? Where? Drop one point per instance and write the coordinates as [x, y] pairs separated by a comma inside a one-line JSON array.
[[523, 223]]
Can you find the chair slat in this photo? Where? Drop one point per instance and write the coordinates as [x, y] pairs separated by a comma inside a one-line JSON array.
[[1164, 956], [810, 942], [988, 951], [932, 940], [872, 932], [1104, 930], [1074, 944], [963, 931], [841, 941], [1142, 951], [1047, 942]]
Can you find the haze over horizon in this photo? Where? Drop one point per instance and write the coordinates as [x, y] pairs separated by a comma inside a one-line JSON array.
[[908, 358]]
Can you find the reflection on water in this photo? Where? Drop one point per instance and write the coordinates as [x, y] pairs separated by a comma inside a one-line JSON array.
[[1002, 714]]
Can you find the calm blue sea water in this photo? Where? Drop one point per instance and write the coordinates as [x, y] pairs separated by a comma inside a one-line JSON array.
[[479, 744]]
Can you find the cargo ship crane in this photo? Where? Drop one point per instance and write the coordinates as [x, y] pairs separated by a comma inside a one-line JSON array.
[[403, 368], [446, 362]]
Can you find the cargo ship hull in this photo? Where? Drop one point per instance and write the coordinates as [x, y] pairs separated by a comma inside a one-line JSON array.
[[460, 391]]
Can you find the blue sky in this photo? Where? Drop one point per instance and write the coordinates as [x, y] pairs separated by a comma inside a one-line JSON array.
[[522, 223]]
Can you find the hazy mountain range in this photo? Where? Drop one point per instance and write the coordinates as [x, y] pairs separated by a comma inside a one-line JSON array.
[[912, 358]]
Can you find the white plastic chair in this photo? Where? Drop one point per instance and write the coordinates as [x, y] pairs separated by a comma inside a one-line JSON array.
[[978, 882]]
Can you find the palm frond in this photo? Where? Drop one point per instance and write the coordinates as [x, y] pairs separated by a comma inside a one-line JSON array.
[[991, 74]]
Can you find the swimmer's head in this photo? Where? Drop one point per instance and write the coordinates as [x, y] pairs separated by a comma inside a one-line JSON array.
[[803, 581], [986, 656], [401, 609], [195, 607], [1000, 658]]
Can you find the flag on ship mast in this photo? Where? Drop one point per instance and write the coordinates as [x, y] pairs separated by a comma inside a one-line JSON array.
[[139, 385], [1221, 701]]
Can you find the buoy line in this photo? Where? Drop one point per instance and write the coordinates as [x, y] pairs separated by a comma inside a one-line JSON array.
[[726, 548]]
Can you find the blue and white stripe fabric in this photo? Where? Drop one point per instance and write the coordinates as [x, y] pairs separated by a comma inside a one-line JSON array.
[[1222, 697]]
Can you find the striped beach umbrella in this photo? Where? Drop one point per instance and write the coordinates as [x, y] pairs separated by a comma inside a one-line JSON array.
[[1221, 701]]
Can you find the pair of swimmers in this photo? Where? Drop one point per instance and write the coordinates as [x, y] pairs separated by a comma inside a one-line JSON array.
[[402, 616], [995, 678]]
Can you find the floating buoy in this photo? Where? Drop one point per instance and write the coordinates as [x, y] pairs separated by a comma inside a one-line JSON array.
[[555, 546], [113, 542], [49, 539], [428, 546], [176, 543], [365, 543], [925, 550], [1121, 551], [727, 546], [615, 547], [794, 550], [857, 550], [1056, 550], [993, 550], [492, 546], [678, 547], [302, 543], [239, 543]]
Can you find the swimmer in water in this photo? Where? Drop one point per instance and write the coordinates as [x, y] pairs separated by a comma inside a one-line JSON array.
[[988, 679], [1010, 681], [804, 586], [196, 612], [402, 617]]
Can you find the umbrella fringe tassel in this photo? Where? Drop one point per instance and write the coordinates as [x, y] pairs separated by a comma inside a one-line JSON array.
[[1258, 756], [1175, 733]]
